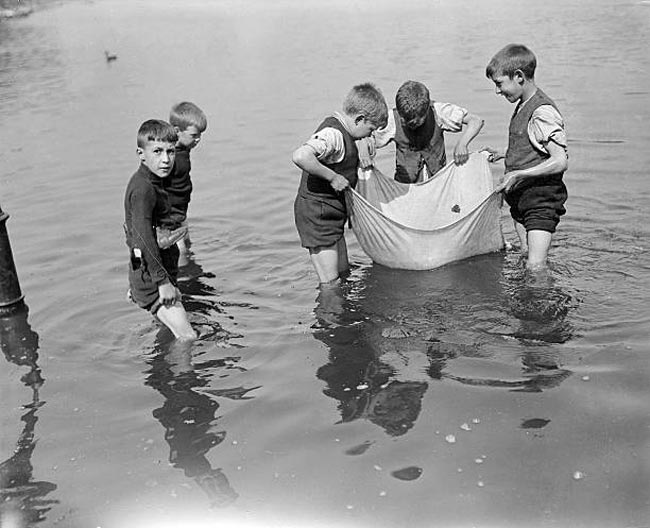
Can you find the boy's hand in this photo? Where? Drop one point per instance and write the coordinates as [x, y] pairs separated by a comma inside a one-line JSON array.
[[339, 183], [510, 180], [168, 294], [494, 154], [366, 148], [461, 154]]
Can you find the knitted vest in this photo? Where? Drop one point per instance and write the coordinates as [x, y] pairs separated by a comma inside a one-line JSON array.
[[311, 185], [521, 153], [415, 149]]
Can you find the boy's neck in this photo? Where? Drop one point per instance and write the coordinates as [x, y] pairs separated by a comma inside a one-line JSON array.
[[346, 119], [528, 90]]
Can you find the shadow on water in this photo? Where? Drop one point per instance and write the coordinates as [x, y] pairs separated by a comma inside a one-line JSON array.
[[22, 498], [391, 333]]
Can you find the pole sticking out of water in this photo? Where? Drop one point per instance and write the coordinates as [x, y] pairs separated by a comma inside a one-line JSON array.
[[11, 298]]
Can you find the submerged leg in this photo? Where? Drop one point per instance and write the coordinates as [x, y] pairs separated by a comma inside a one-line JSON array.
[[326, 262], [175, 318], [539, 243], [343, 262]]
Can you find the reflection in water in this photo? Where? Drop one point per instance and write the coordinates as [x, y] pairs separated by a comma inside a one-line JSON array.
[[540, 305], [392, 332], [22, 499], [188, 414]]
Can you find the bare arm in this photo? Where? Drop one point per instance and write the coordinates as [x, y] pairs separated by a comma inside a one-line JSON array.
[[474, 125], [557, 162], [305, 158]]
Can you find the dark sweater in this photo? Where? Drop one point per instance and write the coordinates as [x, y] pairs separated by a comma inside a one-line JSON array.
[[146, 206], [179, 185]]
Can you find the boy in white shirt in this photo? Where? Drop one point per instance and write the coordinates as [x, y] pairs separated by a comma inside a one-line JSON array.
[[536, 157], [417, 126]]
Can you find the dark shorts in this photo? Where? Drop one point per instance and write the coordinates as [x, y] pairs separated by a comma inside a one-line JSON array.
[[320, 222], [143, 290], [538, 207]]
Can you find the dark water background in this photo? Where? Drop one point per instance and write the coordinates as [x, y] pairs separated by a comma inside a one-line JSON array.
[[276, 416]]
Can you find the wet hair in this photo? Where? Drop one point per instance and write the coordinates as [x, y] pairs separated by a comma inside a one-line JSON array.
[[185, 114], [367, 99], [412, 101], [156, 130], [510, 59]]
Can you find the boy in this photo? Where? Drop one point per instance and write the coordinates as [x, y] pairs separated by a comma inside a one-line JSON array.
[[329, 162], [536, 158], [154, 261], [417, 125], [190, 122]]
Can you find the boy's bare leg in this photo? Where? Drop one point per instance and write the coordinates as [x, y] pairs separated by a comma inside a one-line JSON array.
[[183, 252], [326, 262], [175, 318], [539, 243], [523, 236], [343, 262]]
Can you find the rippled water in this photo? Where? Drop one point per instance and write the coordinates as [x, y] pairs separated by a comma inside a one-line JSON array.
[[464, 396]]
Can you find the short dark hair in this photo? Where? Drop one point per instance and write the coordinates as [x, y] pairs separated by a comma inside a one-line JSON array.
[[156, 130], [511, 58], [368, 100], [412, 101]]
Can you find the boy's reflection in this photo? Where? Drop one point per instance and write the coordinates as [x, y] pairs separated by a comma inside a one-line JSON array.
[[390, 332], [22, 499], [365, 386], [189, 418]]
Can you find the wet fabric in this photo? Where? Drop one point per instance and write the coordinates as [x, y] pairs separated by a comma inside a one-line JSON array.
[[453, 215]]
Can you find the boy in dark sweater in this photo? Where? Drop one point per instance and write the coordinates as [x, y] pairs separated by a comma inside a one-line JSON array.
[[190, 122], [536, 158], [151, 232]]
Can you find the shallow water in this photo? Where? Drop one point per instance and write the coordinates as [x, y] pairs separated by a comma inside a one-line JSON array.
[[463, 396]]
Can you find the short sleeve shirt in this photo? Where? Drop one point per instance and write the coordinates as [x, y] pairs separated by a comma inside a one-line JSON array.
[[546, 124], [328, 143]]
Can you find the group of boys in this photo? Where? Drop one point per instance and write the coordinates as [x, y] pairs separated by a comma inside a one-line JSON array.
[[158, 194], [535, 159]]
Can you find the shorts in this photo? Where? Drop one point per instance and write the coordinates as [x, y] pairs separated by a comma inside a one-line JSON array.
[[320, 221], [538, 207], [143, 289]]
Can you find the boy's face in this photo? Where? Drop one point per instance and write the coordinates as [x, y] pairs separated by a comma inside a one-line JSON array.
[[362, 127], [511, 88], [188, 138], [415, 123], [158, 157]]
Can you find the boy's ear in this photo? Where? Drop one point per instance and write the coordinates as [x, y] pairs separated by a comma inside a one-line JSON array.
[[359, 119], [177, 129], [519, 76], [140, 152]]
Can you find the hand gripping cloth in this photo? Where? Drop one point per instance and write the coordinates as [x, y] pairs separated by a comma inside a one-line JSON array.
[[451, 216]]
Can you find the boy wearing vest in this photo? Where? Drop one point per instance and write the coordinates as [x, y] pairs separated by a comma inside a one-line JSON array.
[[536, 158], [329, 161], [154, 259], [417, 126], [190, 122]]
